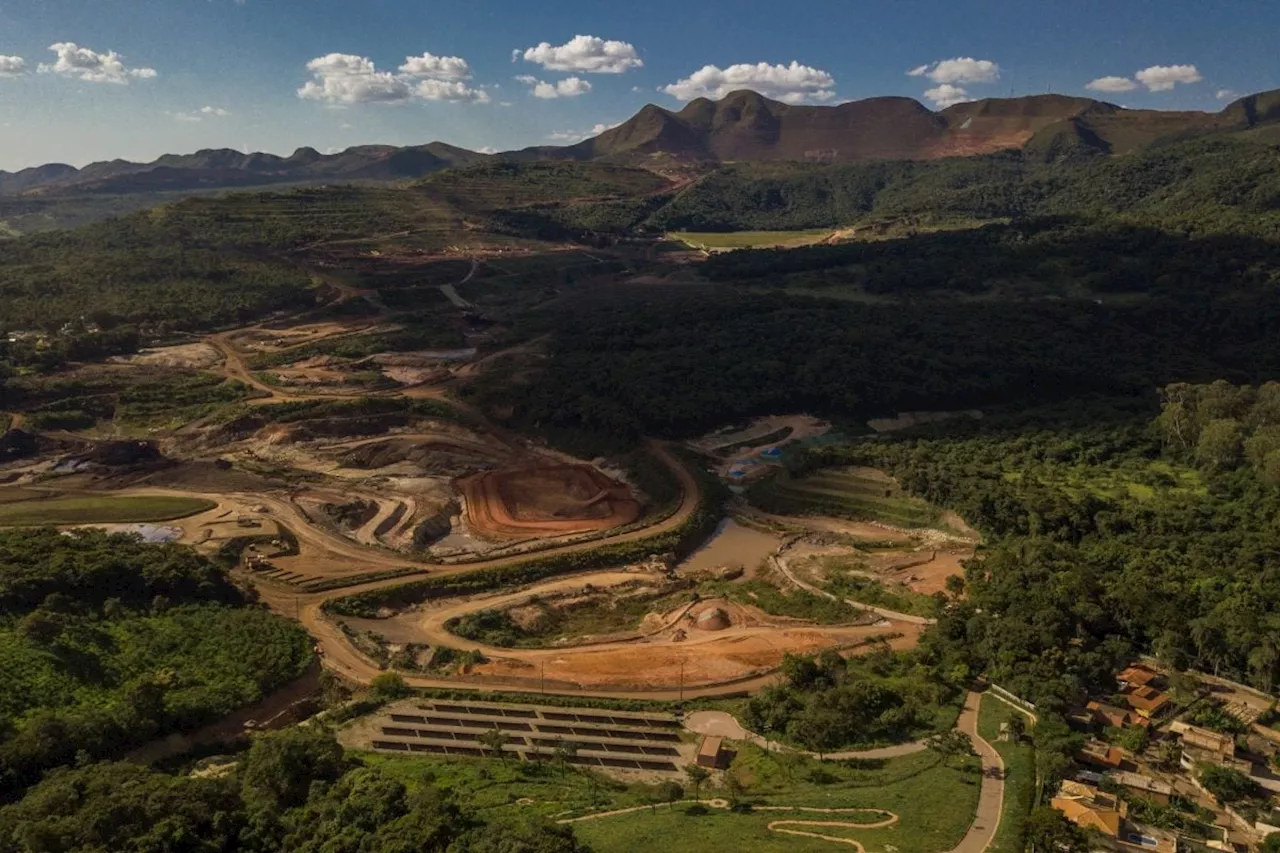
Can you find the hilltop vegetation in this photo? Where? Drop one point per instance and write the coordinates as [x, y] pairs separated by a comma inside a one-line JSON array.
[[106, 643], [292, 792]]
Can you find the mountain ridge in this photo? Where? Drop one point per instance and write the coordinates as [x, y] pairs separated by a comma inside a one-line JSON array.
[[743, 125]]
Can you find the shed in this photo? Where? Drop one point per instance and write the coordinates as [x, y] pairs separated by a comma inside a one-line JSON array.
[[711, 752]]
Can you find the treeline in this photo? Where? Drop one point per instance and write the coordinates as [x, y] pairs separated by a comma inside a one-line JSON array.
[[828, 702], [1216, 184], [1098, 548], [1222, 427], [107, 642], [1042, 257], [294, 791]]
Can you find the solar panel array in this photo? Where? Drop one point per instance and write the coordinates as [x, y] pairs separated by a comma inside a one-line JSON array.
[[588, 737]]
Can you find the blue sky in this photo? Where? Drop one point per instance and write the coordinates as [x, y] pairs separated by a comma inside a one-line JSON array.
[[139, 78]]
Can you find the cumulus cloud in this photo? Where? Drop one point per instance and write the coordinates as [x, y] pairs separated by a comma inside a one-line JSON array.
[[947, 95], [343, 78], [1227, 94], [81, 63], [584, 54], [570, 87], [1162, 78], [12, 66], [962, 69], [792, 84], [437, 67], [1111, 84]]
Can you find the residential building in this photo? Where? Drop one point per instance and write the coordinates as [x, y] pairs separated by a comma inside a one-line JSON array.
[[1103, 714], [1193, 737], [1144, 786], [1095, 753], [1137, 676], [1106, 814], [1147, 701]]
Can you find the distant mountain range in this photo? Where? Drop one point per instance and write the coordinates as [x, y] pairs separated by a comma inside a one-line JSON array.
[[743, 125]]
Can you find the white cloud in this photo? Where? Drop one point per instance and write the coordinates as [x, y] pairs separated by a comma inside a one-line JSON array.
[[579, 135], [1162, 78], [12, 66], [202, 113], [947, 95], [437, 67], [453, 91], [962, 69], [1227, 94], [488, 149], [342, 78], [570, 87], [91, 66], [1111, 84], [584, 54], [792, 84]]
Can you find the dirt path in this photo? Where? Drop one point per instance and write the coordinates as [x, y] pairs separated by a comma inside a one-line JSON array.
[[781, 566], [450, 292]]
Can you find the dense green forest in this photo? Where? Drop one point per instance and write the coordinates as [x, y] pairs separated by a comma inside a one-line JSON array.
[[1104, 539], [293, 792], [107, 642], [676, 364], [827, 702]]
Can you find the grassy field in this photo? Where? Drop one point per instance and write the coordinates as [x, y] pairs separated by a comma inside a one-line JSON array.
[[97, 509], [856, 493], [1020, 773], [935, 803], [727, 241]]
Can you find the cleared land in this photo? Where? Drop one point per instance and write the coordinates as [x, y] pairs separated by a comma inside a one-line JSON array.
[[91, 509], [547, 500], [728, 241]]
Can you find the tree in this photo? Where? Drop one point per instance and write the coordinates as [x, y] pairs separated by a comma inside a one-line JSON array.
[[1220, 445], [1047, 831], [388, 686], [279, 768], [1017, 725], [1133, 738], [494, 740], [697, 775], [1227, 785], [950, 744], [565, 752], [670, 792], [1270, 844]]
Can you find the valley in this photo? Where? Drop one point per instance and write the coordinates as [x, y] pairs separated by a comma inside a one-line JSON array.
[[855, 452]]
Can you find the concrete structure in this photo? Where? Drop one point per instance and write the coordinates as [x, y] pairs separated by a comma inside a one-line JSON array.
[[711, 753], [1095, 753], [1148, 702]]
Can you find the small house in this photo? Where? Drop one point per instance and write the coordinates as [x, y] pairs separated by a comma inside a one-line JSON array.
[[1144, 787], [711, 753]]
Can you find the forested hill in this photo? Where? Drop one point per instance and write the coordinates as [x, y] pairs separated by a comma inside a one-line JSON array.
[[1226, 182]]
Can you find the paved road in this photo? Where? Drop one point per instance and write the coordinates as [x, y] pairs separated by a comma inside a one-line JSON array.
[[991, 799]]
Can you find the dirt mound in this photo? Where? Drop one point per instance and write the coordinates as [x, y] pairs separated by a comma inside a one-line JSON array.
[[712, 619], [353, 514], [435, 527], [120, 454], [428, 455], [546, 500]]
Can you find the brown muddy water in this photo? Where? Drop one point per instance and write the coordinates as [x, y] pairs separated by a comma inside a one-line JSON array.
[[732, 545]]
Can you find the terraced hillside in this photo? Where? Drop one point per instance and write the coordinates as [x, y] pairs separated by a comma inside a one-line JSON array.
[[859, 493]]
